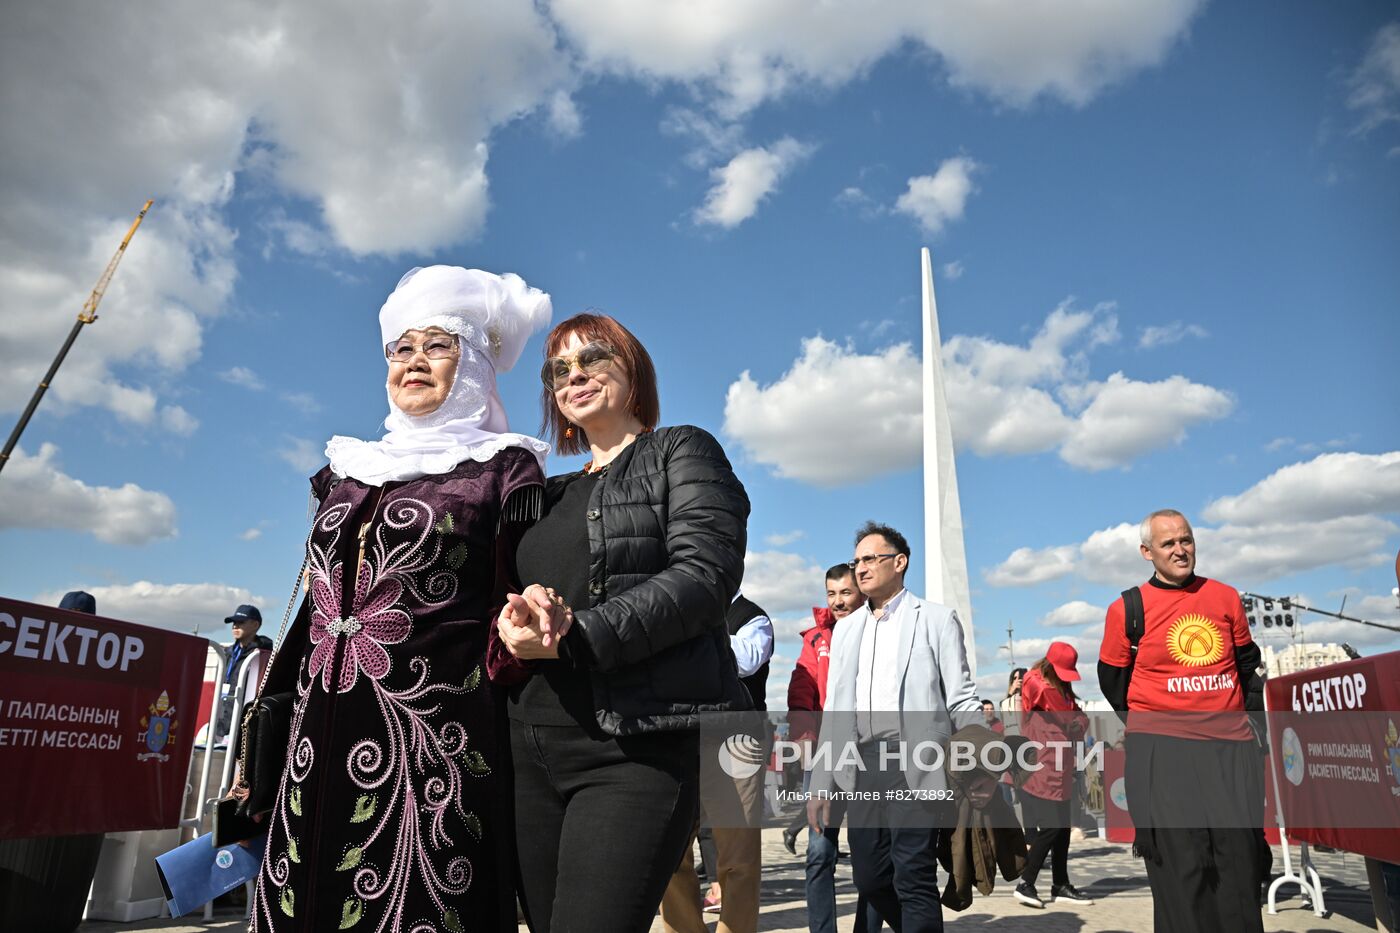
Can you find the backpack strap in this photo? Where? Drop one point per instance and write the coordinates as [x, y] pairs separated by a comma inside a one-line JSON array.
[[1134, 624]]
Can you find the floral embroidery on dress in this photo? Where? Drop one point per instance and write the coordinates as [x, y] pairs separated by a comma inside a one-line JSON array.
[[409, 820], [374, 623]]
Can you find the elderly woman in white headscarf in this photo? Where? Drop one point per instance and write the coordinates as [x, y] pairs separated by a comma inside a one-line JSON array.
[[389, 815]]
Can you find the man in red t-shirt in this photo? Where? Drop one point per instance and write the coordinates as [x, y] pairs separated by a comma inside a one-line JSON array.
[[1193, 775]]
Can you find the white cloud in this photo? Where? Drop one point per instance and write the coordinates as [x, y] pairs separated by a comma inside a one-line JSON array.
[[746, 180], [1003, 400], [1029, 650], [251, 534], [296, 236], [1027, 567], [780, 670], [712, 138], [1006, 400], [303, 455], [175, 275], [1279, 443], [1255, 554], [176, 607], [782, 583], [790, 625], [304, 402], [1375, 85], [242, 376], [1303, 517], [878, 392], [378, 120], [1112, 555], [952, 271], [1327, 486], [751, 51], [564, 118], [1074, 612], [938, 199], [785, 538], [1167, 334], [35, 493], [178, 421], [1126, 418]]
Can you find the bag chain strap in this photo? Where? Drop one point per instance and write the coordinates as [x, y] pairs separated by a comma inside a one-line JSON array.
[[277, 646]]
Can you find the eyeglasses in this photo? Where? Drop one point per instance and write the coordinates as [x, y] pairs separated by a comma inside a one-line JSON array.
[[435, 347], [591, 359], [869, 560]]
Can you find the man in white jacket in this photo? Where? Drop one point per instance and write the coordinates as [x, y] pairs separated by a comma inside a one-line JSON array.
[[898, 679]]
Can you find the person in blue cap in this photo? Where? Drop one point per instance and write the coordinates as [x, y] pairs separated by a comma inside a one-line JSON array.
[[246, 620]]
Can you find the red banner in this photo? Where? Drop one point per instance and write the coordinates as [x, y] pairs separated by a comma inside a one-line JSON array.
[[96, 721], [1336, 754]]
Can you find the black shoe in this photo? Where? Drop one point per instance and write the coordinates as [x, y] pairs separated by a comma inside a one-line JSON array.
[[1068, 892], [1025, 893], [790, 841]]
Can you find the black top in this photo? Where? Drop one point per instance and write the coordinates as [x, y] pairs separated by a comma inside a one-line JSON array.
[[554, 552]]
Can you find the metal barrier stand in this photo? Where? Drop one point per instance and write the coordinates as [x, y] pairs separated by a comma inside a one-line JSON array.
[[1306, 877]]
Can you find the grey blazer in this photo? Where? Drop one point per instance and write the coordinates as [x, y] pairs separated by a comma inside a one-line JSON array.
[[935, 689]]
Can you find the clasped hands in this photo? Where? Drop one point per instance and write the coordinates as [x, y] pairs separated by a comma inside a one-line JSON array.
[[531, 623]]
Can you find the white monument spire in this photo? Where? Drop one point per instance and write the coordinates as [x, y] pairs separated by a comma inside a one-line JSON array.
[[945, 561]]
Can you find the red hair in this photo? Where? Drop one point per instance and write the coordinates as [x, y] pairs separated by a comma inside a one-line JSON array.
[[642, 398]]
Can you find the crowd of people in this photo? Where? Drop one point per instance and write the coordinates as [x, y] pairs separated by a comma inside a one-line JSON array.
[[500, 677]]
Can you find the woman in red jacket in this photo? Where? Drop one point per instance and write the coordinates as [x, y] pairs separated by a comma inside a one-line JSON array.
[[1050, 714]]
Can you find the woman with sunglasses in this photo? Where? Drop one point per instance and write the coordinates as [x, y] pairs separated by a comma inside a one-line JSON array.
[[639, 555], [389, 815]]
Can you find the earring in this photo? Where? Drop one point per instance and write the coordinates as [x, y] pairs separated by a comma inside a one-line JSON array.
[[569, 432]]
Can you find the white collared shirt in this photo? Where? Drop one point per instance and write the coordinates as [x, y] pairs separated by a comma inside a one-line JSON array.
[[877, 674]]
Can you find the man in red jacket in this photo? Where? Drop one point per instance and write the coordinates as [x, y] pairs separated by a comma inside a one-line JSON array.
[[806, 694]]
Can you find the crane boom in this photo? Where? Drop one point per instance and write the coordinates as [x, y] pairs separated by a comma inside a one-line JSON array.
[[89, 312], [86, 316]]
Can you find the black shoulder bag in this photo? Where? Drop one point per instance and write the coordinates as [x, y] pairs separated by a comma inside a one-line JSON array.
[[264, 733]]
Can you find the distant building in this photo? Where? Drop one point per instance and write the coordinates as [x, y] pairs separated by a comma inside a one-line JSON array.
[[1301, 657]]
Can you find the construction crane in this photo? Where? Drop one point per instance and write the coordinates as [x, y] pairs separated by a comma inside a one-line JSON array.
[[86, 316]]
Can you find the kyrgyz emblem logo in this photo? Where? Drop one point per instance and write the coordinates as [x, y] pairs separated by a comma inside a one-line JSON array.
[[159, 725], [1194, 641]]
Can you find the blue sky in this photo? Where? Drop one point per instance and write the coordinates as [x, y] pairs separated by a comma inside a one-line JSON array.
[[1164, 241]]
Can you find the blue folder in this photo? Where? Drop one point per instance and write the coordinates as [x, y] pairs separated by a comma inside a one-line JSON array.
[[197, 872]]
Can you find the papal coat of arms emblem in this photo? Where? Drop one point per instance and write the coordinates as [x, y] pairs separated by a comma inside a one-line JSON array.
[[1392, 754], [158, 727]]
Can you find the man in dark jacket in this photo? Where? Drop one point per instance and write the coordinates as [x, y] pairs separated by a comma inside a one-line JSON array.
[[245, 622]]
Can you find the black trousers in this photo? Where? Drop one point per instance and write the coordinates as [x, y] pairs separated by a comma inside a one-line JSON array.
[[894, 850], [1047, 833], [1200, 804], [600, 824]]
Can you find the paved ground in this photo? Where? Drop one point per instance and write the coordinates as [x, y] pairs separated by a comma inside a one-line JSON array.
[[1105, 871]]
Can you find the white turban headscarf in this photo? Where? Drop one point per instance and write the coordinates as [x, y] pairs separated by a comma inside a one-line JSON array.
[[492, 316]]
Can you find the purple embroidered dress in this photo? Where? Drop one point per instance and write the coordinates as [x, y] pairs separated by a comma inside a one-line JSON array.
[[390, 815]]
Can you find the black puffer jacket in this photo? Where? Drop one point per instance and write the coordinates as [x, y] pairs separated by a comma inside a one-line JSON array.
[[667, 528]]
